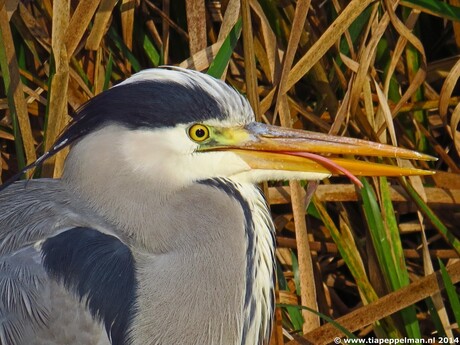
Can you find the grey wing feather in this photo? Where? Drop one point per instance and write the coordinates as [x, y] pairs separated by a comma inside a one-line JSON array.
[[31, 212], [24, 296]]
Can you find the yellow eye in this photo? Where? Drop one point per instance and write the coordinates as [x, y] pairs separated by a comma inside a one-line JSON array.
[[198, 132]]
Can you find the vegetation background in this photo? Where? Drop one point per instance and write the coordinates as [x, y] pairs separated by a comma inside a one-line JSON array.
[[372, 259]]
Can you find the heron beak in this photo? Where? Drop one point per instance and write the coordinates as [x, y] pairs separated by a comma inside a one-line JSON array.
[[268, 147]]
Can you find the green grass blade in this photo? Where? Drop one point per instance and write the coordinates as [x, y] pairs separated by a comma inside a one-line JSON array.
[[80, 71], [413, 64], [350, 254], [295, 315], [392, 272], [108, 72], [324, 317], [52, 71], [434, 315], [409, 314], [355, 30], [118, 41], [296, 318], [295, 270], [282, 283], [217, 67], [451, 292], [426, 210], [271, 10], [378, 234], [435, 7], [150, 50], [313, 211], [348, 250], [4, 66], [393, 230]]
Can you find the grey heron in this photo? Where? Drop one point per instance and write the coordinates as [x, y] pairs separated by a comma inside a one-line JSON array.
[[156, 233]]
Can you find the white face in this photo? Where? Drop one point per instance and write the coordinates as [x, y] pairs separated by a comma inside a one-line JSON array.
[[165, 157], [171, 155]]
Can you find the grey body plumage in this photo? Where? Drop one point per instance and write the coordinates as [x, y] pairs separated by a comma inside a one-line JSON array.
[[193, 278], [184, 309]]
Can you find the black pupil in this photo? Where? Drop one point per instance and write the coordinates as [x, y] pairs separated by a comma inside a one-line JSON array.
[[200, 133]]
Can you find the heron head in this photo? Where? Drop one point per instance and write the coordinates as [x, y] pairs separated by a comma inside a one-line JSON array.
[[172, 126]]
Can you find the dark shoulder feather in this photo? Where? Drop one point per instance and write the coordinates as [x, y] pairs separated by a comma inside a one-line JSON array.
[[100, 270]]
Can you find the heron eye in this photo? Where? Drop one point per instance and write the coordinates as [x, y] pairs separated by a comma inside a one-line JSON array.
[[198, 132]]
